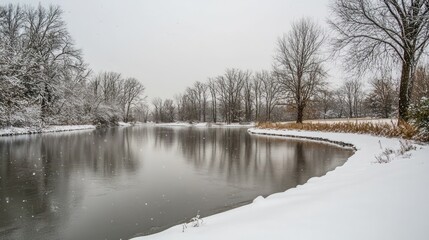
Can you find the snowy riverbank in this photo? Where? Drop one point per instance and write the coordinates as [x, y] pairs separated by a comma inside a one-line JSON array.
[[203, 124], [10, 131], [31, 130], [362, 199]]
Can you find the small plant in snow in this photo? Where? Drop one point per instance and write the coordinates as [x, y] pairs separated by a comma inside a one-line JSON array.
[[194, 222], [405, 146], [388, 154]]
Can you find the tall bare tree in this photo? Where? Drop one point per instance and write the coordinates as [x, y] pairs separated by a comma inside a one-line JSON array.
[[248, 98], [271, 92], [298, 63], [132, 93], [168, 111], [229, 87], [375, 30], [212, 89], [200, 93], [257, 91], [157, 109]]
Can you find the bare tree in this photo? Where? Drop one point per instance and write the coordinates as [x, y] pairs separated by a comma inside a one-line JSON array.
[[325, 98], [248, 98], [168, 111], [229, 87], [271, 92], [421, 84], [374, 31], [200, 93], [132, 93], [352, 90], [142, 111], [257, 91], [298, 63], [381, 96], [157, 110], [212, 89]]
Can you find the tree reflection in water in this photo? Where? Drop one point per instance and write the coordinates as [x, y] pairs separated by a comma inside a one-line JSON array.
[[122, 182]]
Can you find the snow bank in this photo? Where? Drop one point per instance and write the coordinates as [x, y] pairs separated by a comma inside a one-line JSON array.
[[124, 124], [30, 130], [204, 124], [360, 200]]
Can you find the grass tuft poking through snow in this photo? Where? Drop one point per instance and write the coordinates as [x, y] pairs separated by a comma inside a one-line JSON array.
[[196, 221], [388, 154]]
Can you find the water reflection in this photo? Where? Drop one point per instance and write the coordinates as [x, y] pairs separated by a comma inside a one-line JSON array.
[[122, 182]]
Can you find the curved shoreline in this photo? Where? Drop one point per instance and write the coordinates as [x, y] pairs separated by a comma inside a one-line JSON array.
[[316, 139], [362, 199]]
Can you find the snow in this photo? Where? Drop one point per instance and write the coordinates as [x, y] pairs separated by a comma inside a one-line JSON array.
[[362, 199], [124, 124], [204, 124], [30, 130]]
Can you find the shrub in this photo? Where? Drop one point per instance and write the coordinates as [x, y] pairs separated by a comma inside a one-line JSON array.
[[106, 116], [419, 114]]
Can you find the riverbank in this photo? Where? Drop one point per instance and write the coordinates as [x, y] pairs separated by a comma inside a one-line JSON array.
[[33, 130], [10, 131], [203, 124], [379, 193]]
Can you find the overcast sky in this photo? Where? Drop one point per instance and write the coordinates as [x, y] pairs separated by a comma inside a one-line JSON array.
[[168, 45]]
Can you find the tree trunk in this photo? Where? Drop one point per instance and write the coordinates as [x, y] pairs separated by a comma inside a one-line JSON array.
[[128, 112], [300, 113], [403, 91]]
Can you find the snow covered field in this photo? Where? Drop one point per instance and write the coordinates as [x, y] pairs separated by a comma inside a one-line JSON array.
[[28, 130], [362, 199]]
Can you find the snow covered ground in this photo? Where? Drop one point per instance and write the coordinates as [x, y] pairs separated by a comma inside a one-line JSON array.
[[203, 124], [362, 199], [30, 130]]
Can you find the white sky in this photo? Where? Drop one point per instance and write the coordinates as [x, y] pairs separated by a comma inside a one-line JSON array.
[[169, 44]]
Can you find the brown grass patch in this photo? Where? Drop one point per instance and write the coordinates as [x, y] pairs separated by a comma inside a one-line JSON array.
[[406, 131]]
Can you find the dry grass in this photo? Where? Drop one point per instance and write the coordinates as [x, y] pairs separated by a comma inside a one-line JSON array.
[[406, 131]]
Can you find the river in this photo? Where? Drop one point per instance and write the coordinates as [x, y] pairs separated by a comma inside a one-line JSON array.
[[124, 182]]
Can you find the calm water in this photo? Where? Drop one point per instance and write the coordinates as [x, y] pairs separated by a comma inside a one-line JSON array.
[[125, 182]]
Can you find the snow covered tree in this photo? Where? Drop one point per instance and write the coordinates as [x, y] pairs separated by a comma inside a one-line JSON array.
[[419, 114], [132, 93], [373, 31]]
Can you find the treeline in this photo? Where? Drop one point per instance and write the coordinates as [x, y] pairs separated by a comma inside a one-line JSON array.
[[45, 80], [296, 88], [242, 96]]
